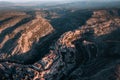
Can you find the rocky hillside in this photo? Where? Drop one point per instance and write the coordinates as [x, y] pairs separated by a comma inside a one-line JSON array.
[[19, 34], [88, 53]]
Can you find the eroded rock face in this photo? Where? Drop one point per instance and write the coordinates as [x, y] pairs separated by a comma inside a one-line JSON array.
[[89, 53], [20, 34]]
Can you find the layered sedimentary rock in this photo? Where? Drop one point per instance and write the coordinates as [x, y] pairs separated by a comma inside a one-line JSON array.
[[89, 53], [20, 33]]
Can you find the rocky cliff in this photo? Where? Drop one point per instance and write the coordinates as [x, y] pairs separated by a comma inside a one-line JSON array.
[[91, 52], [19, 34]]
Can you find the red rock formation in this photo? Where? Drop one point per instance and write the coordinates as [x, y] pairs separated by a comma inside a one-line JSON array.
[[88, 53], [21, 33]]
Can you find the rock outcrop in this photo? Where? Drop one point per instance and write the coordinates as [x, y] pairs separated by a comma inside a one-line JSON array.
[[20, 33], [89, 53]]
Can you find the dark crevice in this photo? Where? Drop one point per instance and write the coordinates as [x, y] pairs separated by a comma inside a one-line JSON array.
[[5, 20], [10, 44], [11, 29]]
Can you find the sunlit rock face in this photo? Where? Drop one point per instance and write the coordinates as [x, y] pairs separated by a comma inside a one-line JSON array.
[[89, 53], [20, 32]]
